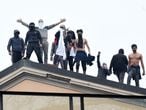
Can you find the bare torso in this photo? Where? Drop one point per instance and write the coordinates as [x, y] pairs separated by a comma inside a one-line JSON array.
[[84, 43], [134, 59]]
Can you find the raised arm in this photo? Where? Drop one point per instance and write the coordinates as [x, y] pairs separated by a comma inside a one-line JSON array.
[[98, 60], [22, 22], [55, 24]]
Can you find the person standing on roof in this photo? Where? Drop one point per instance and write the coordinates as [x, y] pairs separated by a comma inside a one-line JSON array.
[[81, 55], [60, 50], [119, 65], [70, 49], [33, 42], [133, 66], [44, 34], [15, 47]]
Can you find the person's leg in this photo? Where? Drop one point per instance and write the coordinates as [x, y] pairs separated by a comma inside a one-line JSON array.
[[118, 76], [77, 66], [45, 49], [42, 51], [19, 56], [70, 63], [130, 74], [62, 62], [121, 77], [77, 60], [14, 57], [56, 60], [29, 51], [65, 62], [137, 80], [84, 66], [37, 50]]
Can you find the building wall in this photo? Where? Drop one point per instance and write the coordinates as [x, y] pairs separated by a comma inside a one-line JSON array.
[[32, 86], [20, 102], [15, 102]]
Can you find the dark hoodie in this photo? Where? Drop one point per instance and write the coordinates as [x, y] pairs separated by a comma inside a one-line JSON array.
[[16, 43]]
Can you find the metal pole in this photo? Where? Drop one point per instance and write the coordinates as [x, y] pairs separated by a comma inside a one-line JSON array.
[[82, 102], [71, 102], [1, 101]]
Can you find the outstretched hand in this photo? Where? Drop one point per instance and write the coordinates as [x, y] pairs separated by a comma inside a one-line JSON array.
[[99, 52], [62, 20], [19, 20]]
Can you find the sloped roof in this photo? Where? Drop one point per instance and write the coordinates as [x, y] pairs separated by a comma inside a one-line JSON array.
[[46, 72]]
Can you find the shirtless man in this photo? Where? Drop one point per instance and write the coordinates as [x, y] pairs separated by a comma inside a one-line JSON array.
[[133, 66], [81, 55]]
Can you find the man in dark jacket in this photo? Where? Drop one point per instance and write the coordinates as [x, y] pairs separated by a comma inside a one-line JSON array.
[[33, 41], [119, 64], [15, 47]]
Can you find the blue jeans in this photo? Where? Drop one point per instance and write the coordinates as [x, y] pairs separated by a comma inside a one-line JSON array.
[[81, 56], [134, 72]]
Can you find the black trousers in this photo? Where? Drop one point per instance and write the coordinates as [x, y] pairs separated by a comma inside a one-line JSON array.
[[34, 47], [16, 56], [69, 61], [83, 66]]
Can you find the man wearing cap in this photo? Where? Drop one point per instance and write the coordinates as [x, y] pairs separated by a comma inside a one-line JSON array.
[[15, 47], [44, 34]]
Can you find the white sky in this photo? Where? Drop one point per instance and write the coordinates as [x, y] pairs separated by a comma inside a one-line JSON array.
[[107, 24]]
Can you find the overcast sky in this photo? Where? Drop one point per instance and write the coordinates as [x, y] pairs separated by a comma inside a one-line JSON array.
[[107, 24]]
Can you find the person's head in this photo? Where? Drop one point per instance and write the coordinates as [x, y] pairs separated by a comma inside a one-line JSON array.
[[79, 31], [62, 27], [80, 38], [16, 33], [104, 66], [31, 26], [134, 47], [71, 34], [40, 23], [121, 51]]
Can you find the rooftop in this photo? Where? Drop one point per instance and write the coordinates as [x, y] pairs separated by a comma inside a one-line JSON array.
[[46, 72]]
